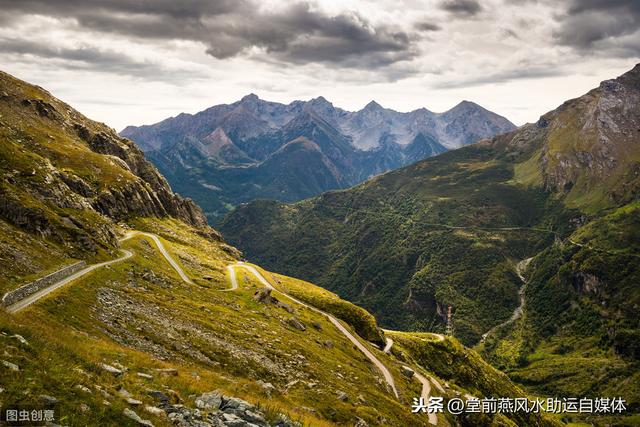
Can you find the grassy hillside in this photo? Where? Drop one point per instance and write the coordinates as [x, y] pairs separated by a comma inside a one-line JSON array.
[[579, 333], [451, 229], [446, 231], [64, 180], [463, 373], [135, 338], [140, 317]]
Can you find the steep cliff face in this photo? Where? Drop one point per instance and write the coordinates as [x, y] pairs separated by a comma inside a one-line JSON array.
[[587, 150], [438, 223], [68, 178]]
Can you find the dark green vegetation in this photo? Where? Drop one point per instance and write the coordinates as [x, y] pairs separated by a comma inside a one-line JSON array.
[[70, 189], [385, 244], [251, 149], [463, 369], [449, 230]]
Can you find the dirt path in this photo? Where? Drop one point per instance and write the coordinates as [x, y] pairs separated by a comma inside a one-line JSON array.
[[27, 301], [517, 313], [378, 364]]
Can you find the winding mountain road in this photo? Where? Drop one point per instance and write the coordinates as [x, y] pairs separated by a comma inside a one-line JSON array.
[[232, 277], [426, 393], [162, 250], [378, 364], [517, 313], [387, 347], [30, 299], [426, 383], [27, 301]]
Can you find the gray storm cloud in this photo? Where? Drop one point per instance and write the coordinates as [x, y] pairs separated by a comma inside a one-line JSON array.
[[297, 33]]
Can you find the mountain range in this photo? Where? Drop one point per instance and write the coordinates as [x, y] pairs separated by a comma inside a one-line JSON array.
[[232, 154], [120, 305], [559, 196]]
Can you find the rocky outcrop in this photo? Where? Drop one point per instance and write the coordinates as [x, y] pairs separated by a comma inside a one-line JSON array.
[[586, 283], [152, 196], [67, 178], [587, 148], [214, 409]]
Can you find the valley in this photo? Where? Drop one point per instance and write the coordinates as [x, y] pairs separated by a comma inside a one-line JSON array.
[[320, 213], [449, 231], [164, 324]]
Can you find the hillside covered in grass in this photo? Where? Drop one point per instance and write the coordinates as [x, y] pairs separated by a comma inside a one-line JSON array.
[[65, 180], [154, 331], [450, 230]]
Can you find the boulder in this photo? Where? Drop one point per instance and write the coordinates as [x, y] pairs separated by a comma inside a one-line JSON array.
[[407, 371], [158, 395], [10, 366], [264, 296], [48, 400], [210, 400], [20, 338], [82, 388], [135, 417], [233, 420], [235, 404], [154, 410], [296, 323], [268, 388], [111, 369]]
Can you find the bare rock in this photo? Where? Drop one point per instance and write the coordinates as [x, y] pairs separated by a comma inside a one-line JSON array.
[[154, 411], [20, 338], [210, 400], [268, 388], [48, 400], [264, 296], [111, 369], [407, 371], [10, 366], [135, 417], [296, 323], [83, 389]]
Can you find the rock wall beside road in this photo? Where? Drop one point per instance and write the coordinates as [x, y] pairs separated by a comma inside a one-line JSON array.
[[24, 291]]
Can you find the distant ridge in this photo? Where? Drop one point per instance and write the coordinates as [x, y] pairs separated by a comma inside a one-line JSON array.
[[237, 148]]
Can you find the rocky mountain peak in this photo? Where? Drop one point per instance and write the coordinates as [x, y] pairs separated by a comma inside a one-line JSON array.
[[373, 106], [252, 97], [465, 107], [359, 144]]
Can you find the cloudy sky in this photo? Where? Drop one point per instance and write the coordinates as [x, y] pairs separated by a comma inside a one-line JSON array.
[[139, 61]]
